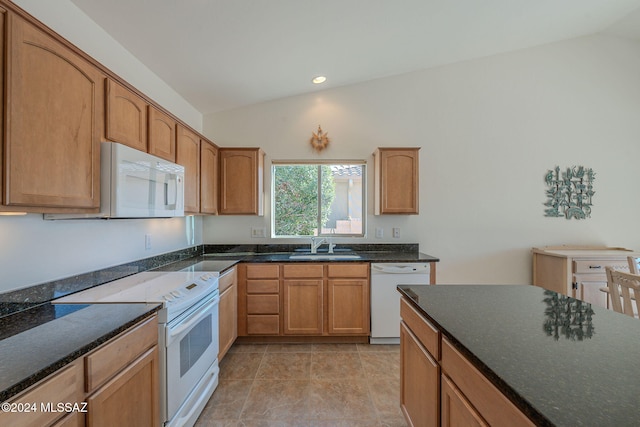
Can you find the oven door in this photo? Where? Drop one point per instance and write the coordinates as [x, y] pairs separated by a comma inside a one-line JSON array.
[[191, 348]]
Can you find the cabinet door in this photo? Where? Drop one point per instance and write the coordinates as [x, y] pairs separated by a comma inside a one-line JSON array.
[[55, 103], [396, 181], [208, 178], [130, 398], [126, 117], [228, 326], [589, 291], [456, 409], [162, 134], [241, 183], [419, 382], [348, 307], [188, 155], [303, 307]]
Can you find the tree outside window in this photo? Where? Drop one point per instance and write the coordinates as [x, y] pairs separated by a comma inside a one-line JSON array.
[[318, 199]]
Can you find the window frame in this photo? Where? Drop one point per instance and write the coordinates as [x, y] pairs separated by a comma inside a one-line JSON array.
[[276, 163]]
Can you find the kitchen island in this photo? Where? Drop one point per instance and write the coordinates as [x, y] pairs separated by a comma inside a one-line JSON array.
[[555, 360]]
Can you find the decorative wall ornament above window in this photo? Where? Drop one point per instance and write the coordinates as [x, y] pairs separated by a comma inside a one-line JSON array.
[[319, 140], [570, 193]]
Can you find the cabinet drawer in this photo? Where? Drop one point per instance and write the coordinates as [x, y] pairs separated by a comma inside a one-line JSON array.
[[491, 404], [111, 358], [598, 265], [227, 279], [426, 333], [64, 386], [293, 271], [263, 324], [263, 286], [263, 271], [263, 304], [348, 270]]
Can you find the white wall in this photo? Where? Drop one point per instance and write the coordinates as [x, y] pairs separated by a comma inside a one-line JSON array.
[[489, 130], [33, 250]]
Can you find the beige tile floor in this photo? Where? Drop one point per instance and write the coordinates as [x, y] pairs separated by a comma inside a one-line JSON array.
[[307, 385]]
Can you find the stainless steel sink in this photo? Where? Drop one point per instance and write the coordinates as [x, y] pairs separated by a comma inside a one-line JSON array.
[[330, 257]]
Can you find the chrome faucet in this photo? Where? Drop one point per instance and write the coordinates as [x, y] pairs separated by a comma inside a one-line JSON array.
[[331, 245], [316, 243]]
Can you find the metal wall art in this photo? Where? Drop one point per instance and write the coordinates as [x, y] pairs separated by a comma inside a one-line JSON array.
[[570, 192], [319, 140]]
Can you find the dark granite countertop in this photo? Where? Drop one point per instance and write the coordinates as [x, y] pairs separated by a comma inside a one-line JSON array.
[[37, 342], [365, 256], [37, 337], [577, 369]]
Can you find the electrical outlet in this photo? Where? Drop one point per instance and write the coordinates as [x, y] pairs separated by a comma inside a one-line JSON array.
[[379, 233], [258, 232], [396, 232], [147, 241]]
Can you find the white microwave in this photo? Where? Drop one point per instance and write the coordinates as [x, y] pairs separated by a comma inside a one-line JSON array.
[[134, 184]]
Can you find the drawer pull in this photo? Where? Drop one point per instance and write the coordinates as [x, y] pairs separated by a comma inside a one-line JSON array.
[[595, 266]]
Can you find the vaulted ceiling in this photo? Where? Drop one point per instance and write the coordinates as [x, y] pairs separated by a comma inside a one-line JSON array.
[[224, 54]]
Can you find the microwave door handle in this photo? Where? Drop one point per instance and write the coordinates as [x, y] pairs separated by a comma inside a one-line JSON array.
[[172, 179]]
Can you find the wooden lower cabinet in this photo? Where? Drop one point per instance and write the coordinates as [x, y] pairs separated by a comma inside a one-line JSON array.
[[419, 382], [456, 409], [65, 385], [114, 385], [259, 299], [228, 315], [130, 398], [452, 391], [75, 419], [303, 306], [304, 299], [348, 306]]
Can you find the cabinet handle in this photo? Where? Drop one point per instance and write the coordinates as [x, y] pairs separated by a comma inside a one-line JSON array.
[[595, 266]]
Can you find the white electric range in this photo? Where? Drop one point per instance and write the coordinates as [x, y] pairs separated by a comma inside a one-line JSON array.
[[187, 334]]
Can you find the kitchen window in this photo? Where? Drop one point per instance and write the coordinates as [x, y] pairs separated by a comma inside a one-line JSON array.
[[318, 199]]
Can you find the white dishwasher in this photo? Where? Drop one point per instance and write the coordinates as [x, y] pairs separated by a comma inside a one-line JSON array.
[[385, 298]]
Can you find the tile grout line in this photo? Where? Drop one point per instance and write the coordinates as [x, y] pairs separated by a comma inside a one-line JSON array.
[[366, 376], [253, 382]]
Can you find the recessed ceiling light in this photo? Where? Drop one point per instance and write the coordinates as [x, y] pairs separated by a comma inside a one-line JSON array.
[[319, 79]]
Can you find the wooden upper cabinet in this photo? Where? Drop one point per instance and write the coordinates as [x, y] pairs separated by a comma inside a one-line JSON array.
[[396, 180], [241, 181], [188, 155], [162, 134], [3, 17], [55, 119], [126, 117], [208, 178]]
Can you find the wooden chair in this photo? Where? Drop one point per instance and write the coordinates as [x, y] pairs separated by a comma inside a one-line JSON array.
[[633, 265], [624, 289]]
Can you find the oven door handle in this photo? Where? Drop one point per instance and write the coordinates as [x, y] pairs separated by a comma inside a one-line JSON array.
[[195, 317]]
